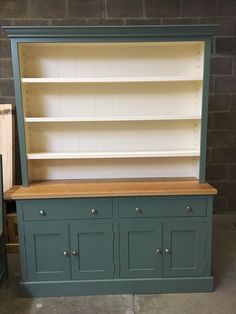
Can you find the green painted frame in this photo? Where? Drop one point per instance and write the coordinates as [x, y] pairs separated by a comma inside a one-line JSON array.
[[19, 113], [63, 34], [144, 31], [1, 194], [3, 256]]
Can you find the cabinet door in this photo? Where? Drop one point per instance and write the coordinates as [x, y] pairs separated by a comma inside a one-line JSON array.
[[184, 248], [140, 250], [46, 248], [92, 251]]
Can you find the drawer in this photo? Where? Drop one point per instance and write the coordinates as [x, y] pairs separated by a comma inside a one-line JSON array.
[[158, 207], [67, 209]]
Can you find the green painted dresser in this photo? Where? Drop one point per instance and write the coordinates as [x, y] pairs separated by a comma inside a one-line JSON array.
[[112, 128]]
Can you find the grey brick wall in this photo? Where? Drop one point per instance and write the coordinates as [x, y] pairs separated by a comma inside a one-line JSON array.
[[221, 152]]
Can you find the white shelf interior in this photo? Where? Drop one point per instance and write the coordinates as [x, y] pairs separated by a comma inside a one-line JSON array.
[[143, 119], [114, 168], [112, 60], [159, 99], [143, 136]]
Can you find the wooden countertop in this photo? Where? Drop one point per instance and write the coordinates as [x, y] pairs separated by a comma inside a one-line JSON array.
[[100, 188]]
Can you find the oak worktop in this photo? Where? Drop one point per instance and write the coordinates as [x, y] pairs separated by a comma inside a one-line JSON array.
[[106, 188]]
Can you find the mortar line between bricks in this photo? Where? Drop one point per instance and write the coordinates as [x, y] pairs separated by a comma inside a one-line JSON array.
[[144, 9], [105, 9], [28, 9], [227, 172], [67, 8], [181, 9], [28, 18]]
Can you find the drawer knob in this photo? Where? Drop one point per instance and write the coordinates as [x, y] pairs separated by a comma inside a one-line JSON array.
[[167, 251], [65, 253], [138, 210], [94, 211], [75, 253], [158, 251], [189, 209], [42, 212]]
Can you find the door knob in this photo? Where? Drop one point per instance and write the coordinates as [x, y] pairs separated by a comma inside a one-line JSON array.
[[189, 209], [158, 251], [65, 253], [167, 251], [75, 253], [42, 212], [94, 211], [138, 210]]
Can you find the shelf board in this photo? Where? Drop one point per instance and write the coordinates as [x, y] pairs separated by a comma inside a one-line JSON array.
[[91, 155], [111, 118], [111, 79]]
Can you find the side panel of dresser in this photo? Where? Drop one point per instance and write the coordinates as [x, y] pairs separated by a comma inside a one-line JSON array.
[[3, 259]]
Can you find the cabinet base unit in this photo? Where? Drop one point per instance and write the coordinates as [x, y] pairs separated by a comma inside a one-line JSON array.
[[117, 286], [113, 243]]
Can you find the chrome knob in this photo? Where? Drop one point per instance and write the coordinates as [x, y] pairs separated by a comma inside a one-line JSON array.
[[189, 209], [167, 251], [94, 211], [138, 210], [65, 253], [158, 251], [75, 253], [42, 212]]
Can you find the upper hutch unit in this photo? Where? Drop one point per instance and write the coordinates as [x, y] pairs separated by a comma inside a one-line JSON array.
[[112, 125], [111, 102]]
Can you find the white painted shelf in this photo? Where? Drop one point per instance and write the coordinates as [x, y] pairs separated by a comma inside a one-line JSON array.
[[111, 118], [110, 79], [90, 155]]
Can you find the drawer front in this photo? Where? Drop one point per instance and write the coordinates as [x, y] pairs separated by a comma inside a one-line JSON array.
[[67, 209], [157, 207]]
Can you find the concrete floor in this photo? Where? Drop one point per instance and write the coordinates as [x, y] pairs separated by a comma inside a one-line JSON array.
[[222, 300]]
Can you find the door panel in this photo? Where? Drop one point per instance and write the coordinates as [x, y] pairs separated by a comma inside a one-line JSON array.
[[93, 247], [186, 243], [45, 246], [138, 250]]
